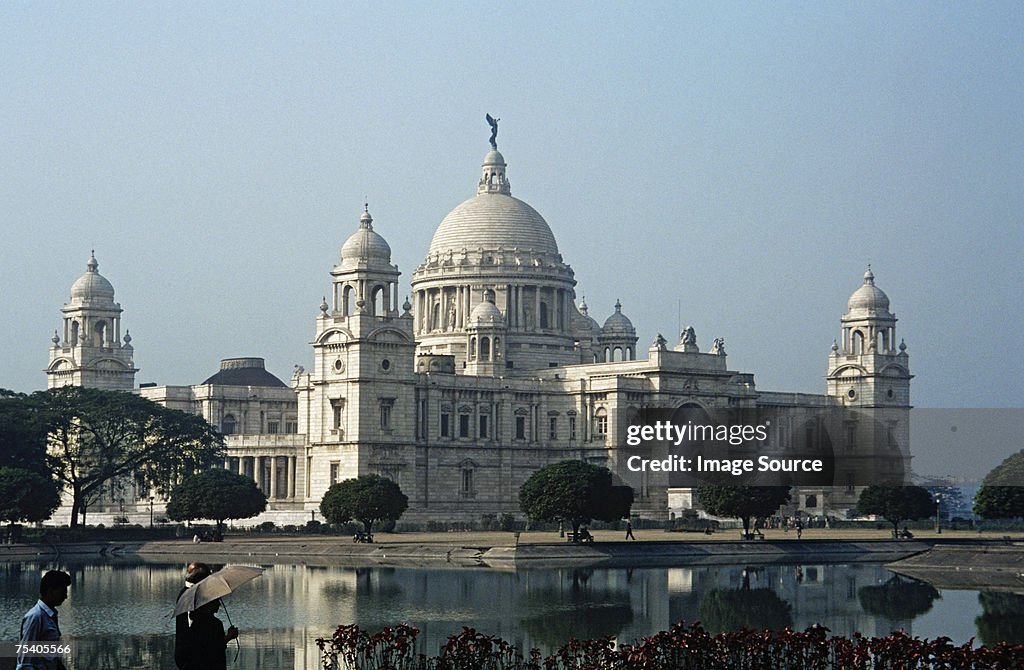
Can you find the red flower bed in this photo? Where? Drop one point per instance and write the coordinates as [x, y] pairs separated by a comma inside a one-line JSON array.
[[684, 647]]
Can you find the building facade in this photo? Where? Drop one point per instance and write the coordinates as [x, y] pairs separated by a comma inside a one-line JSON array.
[[489, 370]]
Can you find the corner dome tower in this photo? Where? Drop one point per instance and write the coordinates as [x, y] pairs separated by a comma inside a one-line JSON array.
[[494, 242], [91, 352]]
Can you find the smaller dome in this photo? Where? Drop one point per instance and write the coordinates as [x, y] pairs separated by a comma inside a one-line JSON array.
[[247, 371], [868, 296], [618, 322], [92, 285], [487, 313], [494, 157], [365, 243], [582, 322]]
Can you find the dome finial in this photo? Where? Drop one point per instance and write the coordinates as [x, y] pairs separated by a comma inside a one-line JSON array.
[[92, 265], [618, 306], [869, 276], [365, 220]]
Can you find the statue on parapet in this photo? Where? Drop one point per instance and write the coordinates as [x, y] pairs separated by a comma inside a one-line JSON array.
[[493, 123]]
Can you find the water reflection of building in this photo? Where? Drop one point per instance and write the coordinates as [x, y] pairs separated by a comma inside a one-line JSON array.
[[122, 610], [493, 369]]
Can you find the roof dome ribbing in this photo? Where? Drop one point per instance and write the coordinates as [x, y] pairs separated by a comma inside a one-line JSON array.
[[493, 219], [92, 285], [868, 296]]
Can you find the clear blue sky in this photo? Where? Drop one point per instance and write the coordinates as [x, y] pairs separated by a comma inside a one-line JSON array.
[[739, 163]]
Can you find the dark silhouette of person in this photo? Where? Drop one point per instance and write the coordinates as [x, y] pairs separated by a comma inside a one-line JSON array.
[[194, 573], [629, 530], [40, 623], [206, 640]]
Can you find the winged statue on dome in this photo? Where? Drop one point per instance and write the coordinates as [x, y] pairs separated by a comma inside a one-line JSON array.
[[493, 123]]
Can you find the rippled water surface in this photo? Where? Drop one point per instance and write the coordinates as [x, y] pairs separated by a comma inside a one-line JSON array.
[[118, 613]]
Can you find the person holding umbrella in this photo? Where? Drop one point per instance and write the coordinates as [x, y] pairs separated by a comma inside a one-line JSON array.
[[204, 642]]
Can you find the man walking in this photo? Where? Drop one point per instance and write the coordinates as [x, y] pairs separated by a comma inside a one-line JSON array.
[[629, 530], [39, 625]]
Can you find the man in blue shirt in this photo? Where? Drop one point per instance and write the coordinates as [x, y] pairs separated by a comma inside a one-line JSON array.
[[39, 625]]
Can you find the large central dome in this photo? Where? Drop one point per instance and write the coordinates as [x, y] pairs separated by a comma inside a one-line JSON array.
[[493, 219]]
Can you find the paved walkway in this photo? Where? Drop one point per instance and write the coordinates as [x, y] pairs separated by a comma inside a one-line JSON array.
[[503, 539]]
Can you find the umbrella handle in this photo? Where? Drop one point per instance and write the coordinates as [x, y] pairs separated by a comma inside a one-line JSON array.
[[228, 615]]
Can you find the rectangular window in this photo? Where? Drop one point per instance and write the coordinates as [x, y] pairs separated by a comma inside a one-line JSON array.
[[467, 483], [337, 406], [385, 412], [335, 470], [553, 428], [851, 435], [273, 427], [520, 427], [446, 430], [483, 426], [291, 426], [601, 425], [891, 435], [572, 428], [463, 425]]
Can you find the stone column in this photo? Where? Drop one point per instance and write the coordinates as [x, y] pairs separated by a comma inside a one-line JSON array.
[[273, 477], [536, 308], [291, 477]]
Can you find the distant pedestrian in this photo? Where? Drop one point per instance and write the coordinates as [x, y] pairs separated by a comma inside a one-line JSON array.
[[629, 530], [40, 623], [799, 529]]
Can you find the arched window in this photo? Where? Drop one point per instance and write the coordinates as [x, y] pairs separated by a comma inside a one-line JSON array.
[[99, 334], [346, 301], [485, 348], [543, 315], [497, 348], [377, 305], [227, 425], [858, 343], [435, 320], [74, 333], [472, 348], [617, 354]]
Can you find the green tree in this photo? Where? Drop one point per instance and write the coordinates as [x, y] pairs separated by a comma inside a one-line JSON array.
[[97, 438], [896, 503], [216, 494], [366, 499], [28, 491], [574, 492], [22, 433], [1001, 495], [742, 502], [26, 495]]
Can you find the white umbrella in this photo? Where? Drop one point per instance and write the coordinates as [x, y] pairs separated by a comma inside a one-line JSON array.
[[217, 585]]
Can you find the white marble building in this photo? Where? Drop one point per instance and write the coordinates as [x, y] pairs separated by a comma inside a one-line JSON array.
[[491, 369]]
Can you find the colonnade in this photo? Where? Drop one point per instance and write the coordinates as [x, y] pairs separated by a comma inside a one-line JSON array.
[[267, 472], [526, 307]]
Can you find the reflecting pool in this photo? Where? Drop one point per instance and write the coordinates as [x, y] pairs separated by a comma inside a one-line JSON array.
[[118, 612]]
